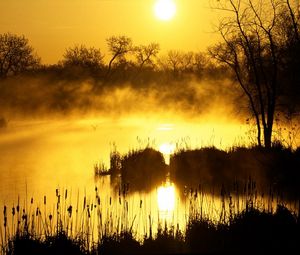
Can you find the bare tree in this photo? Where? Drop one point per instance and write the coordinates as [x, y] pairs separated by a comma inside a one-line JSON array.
[[145, 54], [118, 46], [16, 55], [187, 61], [84, 57], [201, 62], [251, 47], [290, 57], [178, 62]]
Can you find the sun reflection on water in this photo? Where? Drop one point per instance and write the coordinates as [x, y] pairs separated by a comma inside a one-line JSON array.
[[166, 199]]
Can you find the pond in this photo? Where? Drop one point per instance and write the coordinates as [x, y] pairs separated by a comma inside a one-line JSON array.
[[49, 164]]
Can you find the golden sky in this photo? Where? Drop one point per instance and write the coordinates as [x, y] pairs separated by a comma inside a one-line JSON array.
[[53, 25]]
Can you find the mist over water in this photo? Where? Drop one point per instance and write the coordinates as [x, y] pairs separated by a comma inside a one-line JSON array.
[[46, 154]]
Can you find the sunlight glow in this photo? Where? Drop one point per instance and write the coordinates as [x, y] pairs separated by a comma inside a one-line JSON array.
[[167, 148], [165, 9], [166, 197]]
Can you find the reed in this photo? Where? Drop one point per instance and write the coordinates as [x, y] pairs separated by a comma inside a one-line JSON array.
[[106, 225]]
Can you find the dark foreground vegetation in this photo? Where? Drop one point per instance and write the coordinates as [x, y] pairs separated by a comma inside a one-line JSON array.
[[249, 232]]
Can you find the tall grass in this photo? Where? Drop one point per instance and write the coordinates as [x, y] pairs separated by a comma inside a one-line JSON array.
[[112, 224]]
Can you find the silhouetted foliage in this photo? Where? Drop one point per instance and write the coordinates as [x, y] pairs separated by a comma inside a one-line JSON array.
[[275, 168], [146, 54], [123, 243], [253, 48], [262, 231], [59, 244], [143, 169], [118, 46], [82, 56], [16, 55], [167, 241], [249, 232], [178, 62]]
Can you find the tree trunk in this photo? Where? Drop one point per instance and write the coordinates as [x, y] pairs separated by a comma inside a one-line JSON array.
[[268, 137], [258, 130]]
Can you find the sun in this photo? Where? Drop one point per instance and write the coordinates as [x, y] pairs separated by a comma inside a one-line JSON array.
[[165, 9]]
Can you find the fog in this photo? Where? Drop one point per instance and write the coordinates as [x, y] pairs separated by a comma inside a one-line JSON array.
[[45, 97]]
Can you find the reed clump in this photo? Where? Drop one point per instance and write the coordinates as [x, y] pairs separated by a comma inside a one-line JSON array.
[[140, 169], [276, 167]]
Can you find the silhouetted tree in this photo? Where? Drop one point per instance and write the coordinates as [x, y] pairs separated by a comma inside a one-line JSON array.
[[290, 57], [177, 62], [187, 61], [118, 46], [201, 63], [145, 54], [83, 57], [170, 62], [251, 47], [16, 55]]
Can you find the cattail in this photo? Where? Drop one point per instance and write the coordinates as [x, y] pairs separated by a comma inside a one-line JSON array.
[[66, 194], [24, 217], [45, 200], [70, 211], [50, 217], [141, 202], [13, 211], [5, 217], [4, 211], [31, 201]]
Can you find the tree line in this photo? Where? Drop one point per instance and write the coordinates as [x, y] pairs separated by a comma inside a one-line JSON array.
[[17, 56]]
